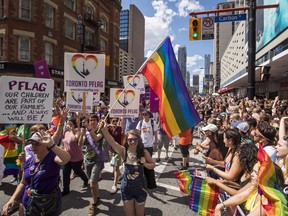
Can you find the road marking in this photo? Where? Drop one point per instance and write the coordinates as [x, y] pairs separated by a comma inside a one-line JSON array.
[[168, 186]]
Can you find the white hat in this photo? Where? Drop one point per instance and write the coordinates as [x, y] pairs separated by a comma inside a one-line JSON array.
[[243, 127], [210, 127], [34, 137]]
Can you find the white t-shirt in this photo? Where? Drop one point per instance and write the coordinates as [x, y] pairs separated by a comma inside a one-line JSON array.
[[271, 151], [147, 134]]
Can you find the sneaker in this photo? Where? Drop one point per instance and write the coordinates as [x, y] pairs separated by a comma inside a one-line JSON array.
[[64, 193], [182, 168], [157, 160], [92, 210], [113, 189]]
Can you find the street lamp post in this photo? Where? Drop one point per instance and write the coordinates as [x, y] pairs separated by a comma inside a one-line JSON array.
[[252, 49]]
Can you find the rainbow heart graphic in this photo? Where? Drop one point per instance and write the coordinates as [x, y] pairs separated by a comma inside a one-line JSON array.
[[86, 60], [133, 81], [125, 97]]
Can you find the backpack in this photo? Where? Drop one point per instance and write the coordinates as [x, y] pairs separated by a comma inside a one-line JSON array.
[[152, 124]]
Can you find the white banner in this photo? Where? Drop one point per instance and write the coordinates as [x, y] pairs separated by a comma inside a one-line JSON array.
[[136, 83], [96, 98], [84, 72], [26, 100], [74, 101], [127, 104]]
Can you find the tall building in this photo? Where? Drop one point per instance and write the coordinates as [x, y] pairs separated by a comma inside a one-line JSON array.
[[223, 34], [182, 61], [45, 29], [132, 34], [126, 64], [188, 80], [196, 83], [207, 61]]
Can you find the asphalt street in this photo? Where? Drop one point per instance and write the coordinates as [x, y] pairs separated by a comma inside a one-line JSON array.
[[165, 200]]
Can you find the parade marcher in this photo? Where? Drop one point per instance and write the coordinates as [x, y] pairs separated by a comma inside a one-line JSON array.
[[116, 133], [135, 158], [2, 167], [93, 157], [148, 130], [72, 145], [163, 140], [40, 179], [185, 139]]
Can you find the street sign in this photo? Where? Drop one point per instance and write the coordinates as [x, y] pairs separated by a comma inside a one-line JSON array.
[[207, 28], [230, 18]]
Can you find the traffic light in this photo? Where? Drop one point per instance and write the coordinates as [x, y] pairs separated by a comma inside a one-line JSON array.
[[195, 25]]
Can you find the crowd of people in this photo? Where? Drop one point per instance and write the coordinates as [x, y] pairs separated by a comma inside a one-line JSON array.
[[232, 130]]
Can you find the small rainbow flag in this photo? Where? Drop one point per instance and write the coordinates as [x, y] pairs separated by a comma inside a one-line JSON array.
[[10, 153], [275, 202], [185, 178], [177, 112], [204, 197]]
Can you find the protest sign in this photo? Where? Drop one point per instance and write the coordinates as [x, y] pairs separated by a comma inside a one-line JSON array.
[[26, 100], [84, 72], [96, 98], [136, 83], [41, 69], [126, 103], [74, 101]]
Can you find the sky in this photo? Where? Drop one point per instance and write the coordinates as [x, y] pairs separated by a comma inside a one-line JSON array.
[[171, 17]]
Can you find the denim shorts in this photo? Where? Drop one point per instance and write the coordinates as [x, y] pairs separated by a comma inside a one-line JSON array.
[[129, 193]]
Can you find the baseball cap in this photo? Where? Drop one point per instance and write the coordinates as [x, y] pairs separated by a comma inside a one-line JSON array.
[[235, 124], [210, 127], [243, 127], [34, 137]]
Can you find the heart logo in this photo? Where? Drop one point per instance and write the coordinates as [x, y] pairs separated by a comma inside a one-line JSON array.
[[79, 99], [83, 65], [125, 97], [133, 81]]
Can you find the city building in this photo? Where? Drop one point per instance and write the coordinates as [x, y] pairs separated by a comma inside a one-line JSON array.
[[182, 61], [126, 64], [132, 35], [271, 70], [195, 83], [45, 29], [188, 80]]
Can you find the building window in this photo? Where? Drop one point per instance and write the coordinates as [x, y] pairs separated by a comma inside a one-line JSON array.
[[89, 38], [1, 47], [70, 4], [104, 24], [25, 9], [49, 53], [2, 9], [103, 45], [69, 29], [49, 13], [24, 49], [89, 12]]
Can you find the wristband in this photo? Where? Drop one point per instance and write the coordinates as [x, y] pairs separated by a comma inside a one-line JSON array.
[[51, 147]]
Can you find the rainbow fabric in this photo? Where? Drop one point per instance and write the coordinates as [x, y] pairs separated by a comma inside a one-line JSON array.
[[275, 202], [10, 154], [204, 197], [177, 112], [185, 178]]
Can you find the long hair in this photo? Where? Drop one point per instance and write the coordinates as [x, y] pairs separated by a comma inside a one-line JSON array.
[[220, 142], [140, 145], [233, 135]]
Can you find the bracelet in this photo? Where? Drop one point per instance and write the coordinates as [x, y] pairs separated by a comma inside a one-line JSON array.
[[51, 147]]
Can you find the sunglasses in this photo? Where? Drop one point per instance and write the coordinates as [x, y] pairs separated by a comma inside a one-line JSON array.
[[114, 121], [130, 140]]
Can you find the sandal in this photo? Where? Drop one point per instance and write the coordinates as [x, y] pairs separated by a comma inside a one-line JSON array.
[[92, 210]]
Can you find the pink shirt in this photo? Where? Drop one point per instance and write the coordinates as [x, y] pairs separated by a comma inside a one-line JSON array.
[[72, 147]]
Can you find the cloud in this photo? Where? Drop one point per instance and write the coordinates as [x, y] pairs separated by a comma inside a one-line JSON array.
[[158, 26], [187, 6], [193, 60], [182, 29]]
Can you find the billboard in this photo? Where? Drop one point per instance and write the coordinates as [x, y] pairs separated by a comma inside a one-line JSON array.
[[270, 22]]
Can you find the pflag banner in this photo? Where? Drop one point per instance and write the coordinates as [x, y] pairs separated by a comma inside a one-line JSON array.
[[204, 197], [273, 200], [177, 112]]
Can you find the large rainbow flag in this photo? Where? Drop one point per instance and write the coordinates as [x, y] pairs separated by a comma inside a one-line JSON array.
[[204, 197], [275, 202], [177, 112], [185, 177], [10, 153]]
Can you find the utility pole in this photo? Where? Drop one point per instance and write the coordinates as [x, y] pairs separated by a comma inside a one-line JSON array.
[[251, 49]]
